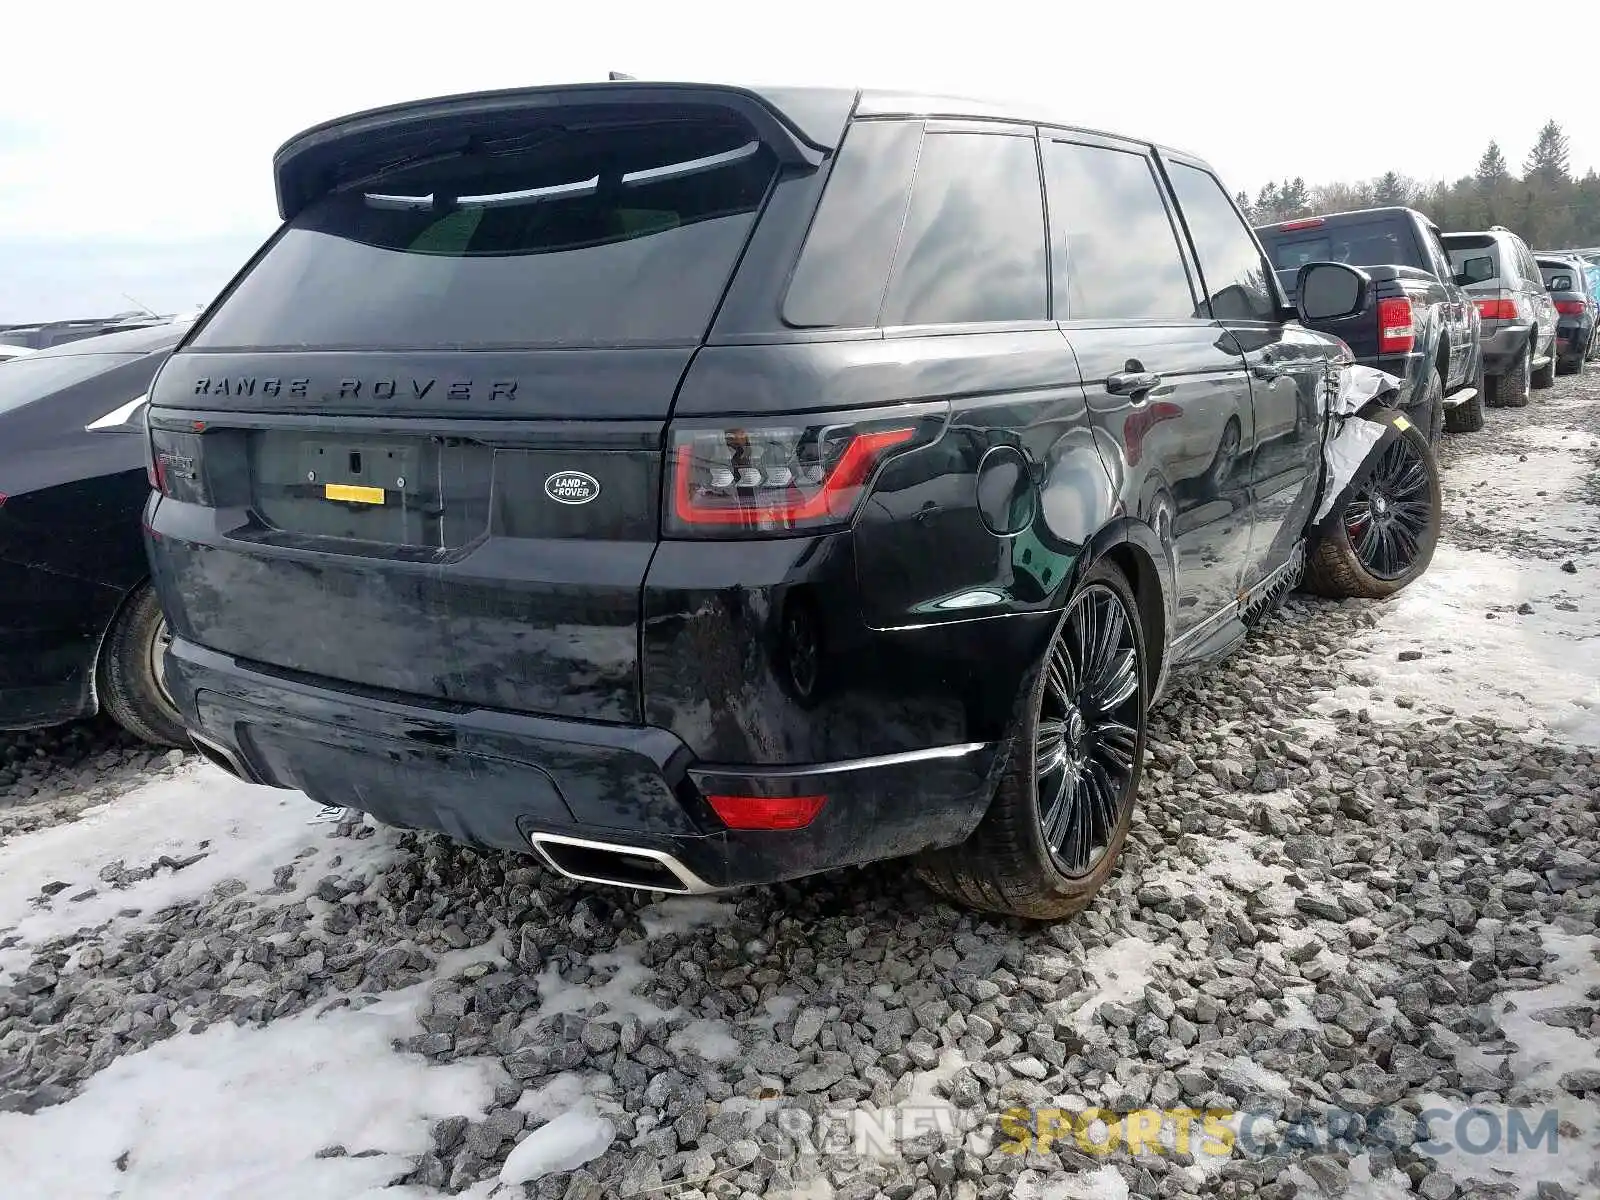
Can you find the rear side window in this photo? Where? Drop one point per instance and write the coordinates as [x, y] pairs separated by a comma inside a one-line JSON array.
[[624, 235], [1359, 243], [1230, 261], [1117, 255], [844, 267], [973, 247]]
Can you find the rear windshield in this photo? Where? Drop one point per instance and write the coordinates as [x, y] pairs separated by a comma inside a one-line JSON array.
[[1559, 278], [1473, 259], [33, 377], [620, 236], [1359, 243]]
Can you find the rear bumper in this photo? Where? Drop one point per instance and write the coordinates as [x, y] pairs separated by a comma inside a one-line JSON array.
[[46, 676], [582, 791], [1572, 336], [1503, 345]]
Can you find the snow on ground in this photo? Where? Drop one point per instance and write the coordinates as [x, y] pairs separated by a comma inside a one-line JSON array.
[[1513, 639], [243, 1112], [338, 1101]]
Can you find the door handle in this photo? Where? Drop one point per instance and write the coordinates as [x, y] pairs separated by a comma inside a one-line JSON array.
[[1131, 383]]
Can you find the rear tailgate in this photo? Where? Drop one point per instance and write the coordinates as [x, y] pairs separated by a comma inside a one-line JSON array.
[[418, 446]]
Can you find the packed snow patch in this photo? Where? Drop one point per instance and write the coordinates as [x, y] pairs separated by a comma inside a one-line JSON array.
[[563, 1144], [242, 1113], [1537, 671]]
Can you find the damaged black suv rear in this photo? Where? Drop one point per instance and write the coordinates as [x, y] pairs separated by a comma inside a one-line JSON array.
[[703, 487]]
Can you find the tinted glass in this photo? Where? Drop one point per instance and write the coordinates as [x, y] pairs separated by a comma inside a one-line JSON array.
[[625, 235], [33, 377], [844, 266], [974, 242], [1230, 262], [1475, 257], [1558, 279], [1359, 243], [1116, 253]]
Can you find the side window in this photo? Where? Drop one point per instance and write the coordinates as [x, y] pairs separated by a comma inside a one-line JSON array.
[[844, 265], [1115, 251], [974, 247], [1235, 274]]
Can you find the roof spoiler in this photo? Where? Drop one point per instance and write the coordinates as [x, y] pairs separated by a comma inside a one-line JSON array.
[[802, 132]]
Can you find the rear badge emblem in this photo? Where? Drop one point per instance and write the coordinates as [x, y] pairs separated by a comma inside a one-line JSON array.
[[571, 487]]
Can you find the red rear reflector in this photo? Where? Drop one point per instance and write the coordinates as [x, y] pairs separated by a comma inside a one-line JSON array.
[[1497, 310], [1573, 308], [1306, 223], [1395, 332], [767, 812]]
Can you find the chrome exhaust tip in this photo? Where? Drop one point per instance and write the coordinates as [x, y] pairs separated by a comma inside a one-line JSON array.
[[617, 866]]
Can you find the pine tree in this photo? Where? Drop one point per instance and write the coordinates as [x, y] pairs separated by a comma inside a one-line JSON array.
[[1391, 188], [1492, 169], [1294, 199], [1248, 209], [1548, 160], [1267, 202]]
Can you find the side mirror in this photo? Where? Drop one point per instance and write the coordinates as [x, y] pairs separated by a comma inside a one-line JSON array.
[[1326, 291]]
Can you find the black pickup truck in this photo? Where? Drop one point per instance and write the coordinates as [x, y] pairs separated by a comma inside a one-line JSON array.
[[1423, 327]]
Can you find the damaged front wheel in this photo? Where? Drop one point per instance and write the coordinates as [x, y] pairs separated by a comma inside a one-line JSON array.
[[1385, 535]]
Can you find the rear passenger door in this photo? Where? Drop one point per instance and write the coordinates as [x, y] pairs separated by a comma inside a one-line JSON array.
[[1287, 366], [1165, 385]]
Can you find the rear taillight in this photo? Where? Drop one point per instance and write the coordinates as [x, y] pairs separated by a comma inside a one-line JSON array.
[[771, 478], [152, 467], [1396, 334], [1497, 310], [1572, 308], [1305, 223], [767, 812]]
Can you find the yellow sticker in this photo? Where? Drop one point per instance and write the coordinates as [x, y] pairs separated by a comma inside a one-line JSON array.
[[353, 493], [1401, 423]]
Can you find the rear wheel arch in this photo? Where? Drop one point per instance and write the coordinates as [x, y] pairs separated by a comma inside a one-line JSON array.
[[1136, 550]]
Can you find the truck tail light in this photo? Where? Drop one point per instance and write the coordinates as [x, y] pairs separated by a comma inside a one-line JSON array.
[[1497, 310], [1572, 308], [1304, 223], [1396, 334], [799, 476]]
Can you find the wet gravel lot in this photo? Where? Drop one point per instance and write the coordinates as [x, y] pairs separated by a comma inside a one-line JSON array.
[[1338, 897]]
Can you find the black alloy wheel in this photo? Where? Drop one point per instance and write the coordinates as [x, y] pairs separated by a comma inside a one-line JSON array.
[[1086, 735], [1387, 519]]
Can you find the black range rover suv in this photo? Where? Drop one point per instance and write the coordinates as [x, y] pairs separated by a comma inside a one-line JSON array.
[[706, 487]]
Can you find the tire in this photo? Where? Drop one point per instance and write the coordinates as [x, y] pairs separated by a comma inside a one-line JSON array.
[[1467, 417], [1511, 389], [131, 687], [1430, 413], [1545, 376], [1084, 724], [1386, 535]]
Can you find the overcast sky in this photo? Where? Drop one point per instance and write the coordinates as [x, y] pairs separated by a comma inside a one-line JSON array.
[[136, 142]]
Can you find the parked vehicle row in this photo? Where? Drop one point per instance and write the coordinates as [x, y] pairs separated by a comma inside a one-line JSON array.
[[699, 486], [1422, 328], [1467, 319]]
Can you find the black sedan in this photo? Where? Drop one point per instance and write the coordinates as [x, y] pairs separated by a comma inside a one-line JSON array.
[[80, 628]]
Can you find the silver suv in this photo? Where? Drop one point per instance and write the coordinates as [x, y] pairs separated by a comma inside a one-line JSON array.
[[1518, 330]]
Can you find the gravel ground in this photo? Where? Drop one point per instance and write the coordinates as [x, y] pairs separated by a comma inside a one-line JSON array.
[[1332, 913], [48, 776]]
